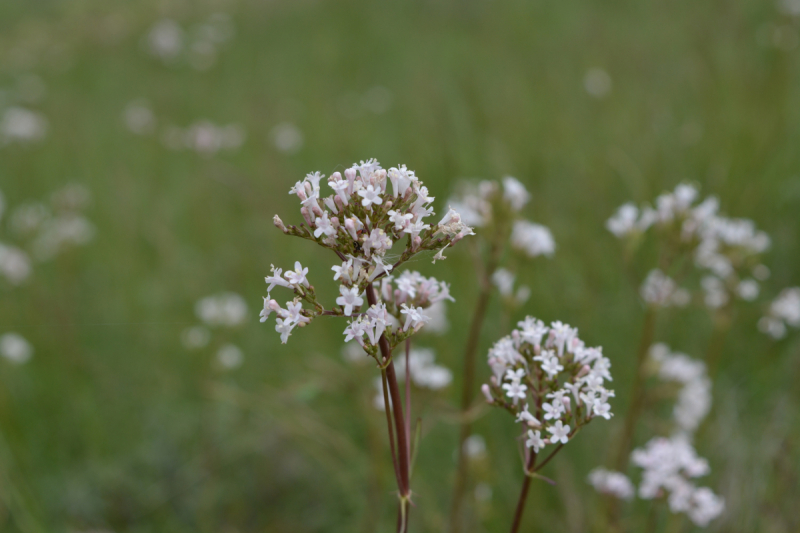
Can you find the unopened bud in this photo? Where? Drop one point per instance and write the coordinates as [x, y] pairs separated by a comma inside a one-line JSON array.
[[487, 392], [335, 222], [307, 216], [583, 371], [279, 223], [316, 209]]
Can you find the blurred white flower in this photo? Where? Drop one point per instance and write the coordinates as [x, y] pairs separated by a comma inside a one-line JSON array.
[[57, 234], [14, 264], [515, 193], [783, 311], [661, 290], [475, 446], [597, 82], [71, 197], [165, 40], [26, 219], [615, 484], [223, 309], [504, 281], [195, 337], [22, 125], [15, 348], [287, 137], [139, 118], [533, 239], [230, 356]]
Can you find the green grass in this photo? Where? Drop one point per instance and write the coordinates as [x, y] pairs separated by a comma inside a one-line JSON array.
[[113, 424]]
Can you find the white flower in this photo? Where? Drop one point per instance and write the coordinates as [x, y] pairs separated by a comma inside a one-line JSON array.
[[14, 264], [324, 226], [15, 348], [623, 222], [535, 440], [284, 327], [514, 193], [276, 279], [475, 446], [195, 337], [230, 356], [224, 309], [21, 125], [552, 410], [298, 276], [515, 390], [440, 254], [551, 366], [355, 330], [400, 220], [559, 432], [525, 416], [614, 483], [533, 239], [504, 281], [349, 298], [370, 195], [378, 242], [748, 289], [415, 318], [343, 272]]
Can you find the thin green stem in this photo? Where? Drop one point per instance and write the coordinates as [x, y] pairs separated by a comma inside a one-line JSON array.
[[468, 385]]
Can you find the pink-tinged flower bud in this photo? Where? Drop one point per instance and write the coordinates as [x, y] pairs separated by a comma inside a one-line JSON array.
[[399, 297], [416, 242], [487, 393], [583, 371], [316, 209], [335, 222], [350, 226], [567, 404], [388, 204], [493, 381], [534, 423], [302, 195], [336, 176], [331, 205], [339, 203], [307, 216], [279, 223], [309, 189]]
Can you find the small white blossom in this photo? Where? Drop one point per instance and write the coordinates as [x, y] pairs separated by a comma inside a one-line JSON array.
[[533, 239], [514, 193], [15, 348], [349, 299], [535, 440], [559, 432]]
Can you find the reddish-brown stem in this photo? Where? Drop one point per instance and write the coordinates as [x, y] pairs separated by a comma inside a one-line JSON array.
[[523, 495], [408, 398], [386, 408], [399, 422]]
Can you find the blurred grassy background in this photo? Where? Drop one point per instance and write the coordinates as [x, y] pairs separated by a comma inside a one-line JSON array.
[[114, 425]]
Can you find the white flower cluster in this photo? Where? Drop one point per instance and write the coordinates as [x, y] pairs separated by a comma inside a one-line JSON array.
[[669, 466], [22, 125], [727, 248], [202, 136], [783, 311], [225, 309], [45, 230], [660, 290], [481, 204], [167, 41], [533, 239], [371, 209], [548, 379], [612, 483], [15, 348], [670, 463], [694, 398], [424, 372]]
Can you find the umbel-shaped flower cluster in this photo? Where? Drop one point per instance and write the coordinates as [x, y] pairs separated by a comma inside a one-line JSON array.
[[370, 211], [487, 204], [727, 249], [549, 380]]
